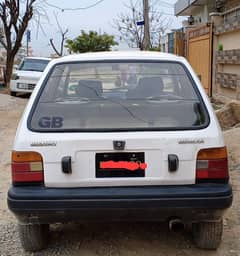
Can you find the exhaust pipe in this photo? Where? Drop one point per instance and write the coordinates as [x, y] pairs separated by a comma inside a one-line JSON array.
[[176, 225]]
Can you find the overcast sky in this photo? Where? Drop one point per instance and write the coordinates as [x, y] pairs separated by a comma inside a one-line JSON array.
[[97, 18]]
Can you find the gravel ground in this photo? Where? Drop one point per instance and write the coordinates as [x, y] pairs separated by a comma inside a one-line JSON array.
[[117, 238]]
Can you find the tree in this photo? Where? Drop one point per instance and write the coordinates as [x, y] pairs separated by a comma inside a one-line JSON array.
[[63, 39], [91, 42], [132, 33], [15, 16]]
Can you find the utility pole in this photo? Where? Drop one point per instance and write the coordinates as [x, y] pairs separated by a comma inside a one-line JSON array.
[[28, 40], [146, 38], [27, 47]]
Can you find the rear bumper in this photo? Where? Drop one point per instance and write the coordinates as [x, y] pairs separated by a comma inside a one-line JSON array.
[[14, 87], [51, 205]]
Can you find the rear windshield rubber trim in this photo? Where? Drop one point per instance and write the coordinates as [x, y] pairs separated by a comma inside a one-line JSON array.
[[33, 108]]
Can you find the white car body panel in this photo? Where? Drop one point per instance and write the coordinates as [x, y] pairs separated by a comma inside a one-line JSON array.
[[27, 79], [82, 147]]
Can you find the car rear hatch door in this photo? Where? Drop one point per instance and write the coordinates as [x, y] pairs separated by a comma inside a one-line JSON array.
[[85, 108], [146, 159]]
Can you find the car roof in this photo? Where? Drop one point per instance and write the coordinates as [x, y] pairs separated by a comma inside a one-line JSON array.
[[37, 58], [119, 55]]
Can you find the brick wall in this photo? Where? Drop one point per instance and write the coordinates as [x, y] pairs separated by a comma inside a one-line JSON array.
[[231, 4], [227, 61], [228, 57], [228, 80], [231, 22]]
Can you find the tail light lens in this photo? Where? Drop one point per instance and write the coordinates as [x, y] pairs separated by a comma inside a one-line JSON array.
[[27, 168], [212, 165]]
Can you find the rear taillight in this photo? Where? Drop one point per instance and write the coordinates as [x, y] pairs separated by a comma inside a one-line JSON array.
[[212, 165], [27, 168]]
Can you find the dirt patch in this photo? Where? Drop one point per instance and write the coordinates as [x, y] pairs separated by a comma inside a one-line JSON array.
[[10, 112], [229, 119], [232, 139]]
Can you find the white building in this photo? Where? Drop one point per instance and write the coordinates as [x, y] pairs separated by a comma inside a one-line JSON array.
[[164, 43]]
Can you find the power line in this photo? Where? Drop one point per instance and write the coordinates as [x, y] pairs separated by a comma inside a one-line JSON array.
[[73, 9]]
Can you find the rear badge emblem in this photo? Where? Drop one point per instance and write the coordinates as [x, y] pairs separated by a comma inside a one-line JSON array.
[[44, 144], [200, 141], [119, 145]]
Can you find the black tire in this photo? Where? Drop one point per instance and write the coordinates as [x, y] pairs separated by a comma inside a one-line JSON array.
[[34, 237], [14, 94], [208, 235]]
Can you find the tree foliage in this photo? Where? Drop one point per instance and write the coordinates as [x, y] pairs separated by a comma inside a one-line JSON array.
[[90, 42], [132, 34], [14, 16]]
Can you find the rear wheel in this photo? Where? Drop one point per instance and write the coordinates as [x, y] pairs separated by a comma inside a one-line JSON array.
[[34, 237], [14, 94], [208, 235]]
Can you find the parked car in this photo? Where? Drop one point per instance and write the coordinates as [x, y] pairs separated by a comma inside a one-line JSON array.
[[94, 146], [25, 78]]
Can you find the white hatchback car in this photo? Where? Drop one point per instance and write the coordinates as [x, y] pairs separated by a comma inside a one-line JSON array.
[[119, 136], [27, 75]]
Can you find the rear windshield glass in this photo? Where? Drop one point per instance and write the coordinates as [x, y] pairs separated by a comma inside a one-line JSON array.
[[96, 96], [33, 65]]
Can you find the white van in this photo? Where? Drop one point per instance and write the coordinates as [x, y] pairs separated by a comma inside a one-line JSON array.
[[119, 136], [25, 78]]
